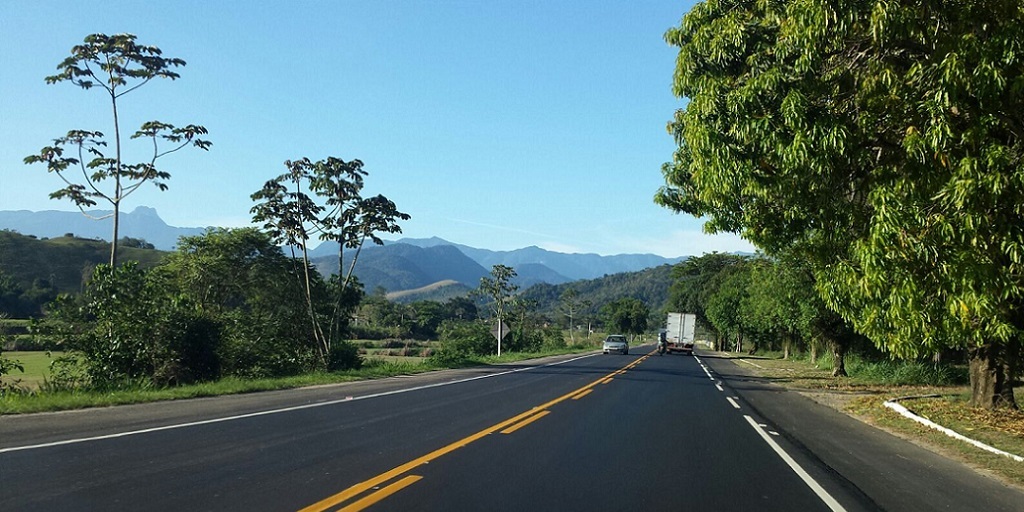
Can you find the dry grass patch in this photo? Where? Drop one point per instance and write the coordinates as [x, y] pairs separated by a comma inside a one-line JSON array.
[[1001, 429]]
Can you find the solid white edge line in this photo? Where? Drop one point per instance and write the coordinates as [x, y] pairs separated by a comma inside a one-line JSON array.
[[705, 368], [949, 432], [812, 483], [733, 402], [277, 411]]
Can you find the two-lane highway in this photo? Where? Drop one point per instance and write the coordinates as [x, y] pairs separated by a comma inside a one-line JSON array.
[[588, 433]]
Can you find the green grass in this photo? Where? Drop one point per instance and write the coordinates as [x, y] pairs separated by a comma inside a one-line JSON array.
[[37, 368], [20, 323], [373, 367]]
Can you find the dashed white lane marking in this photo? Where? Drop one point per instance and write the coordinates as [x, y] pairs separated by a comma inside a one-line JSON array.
[[719, 386], [811, 482], [277, 411], [733, 402]]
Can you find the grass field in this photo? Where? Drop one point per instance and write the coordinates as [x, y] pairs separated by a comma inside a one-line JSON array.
[[37, 368]]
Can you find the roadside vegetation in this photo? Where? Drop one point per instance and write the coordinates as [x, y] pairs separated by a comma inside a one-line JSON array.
[[861, 146]]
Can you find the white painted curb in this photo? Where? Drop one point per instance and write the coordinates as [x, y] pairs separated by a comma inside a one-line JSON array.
[[951, 433]]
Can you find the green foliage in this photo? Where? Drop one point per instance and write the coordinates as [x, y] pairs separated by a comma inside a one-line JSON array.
[[498, 289], [129, 332], [725, 307], [338, 212], [239, 278], [7, 366], [553, 338], [137, 243], [626, 315], [906, 373], [878, 141], [343, 356], [68, 373], [461, 341], [695, 282], [571, 306]]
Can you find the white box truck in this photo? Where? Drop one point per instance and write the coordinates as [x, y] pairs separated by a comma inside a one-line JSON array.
[[679, 331]]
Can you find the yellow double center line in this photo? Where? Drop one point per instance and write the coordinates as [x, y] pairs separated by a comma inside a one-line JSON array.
[[506, 427]]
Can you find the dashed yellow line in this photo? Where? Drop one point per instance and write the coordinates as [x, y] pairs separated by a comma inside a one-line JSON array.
[[381, 494], [508, 426], [525, 422]]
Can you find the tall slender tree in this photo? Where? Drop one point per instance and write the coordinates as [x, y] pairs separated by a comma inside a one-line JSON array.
[[117, 65], [323, 199], [571, 304], [500, 290]]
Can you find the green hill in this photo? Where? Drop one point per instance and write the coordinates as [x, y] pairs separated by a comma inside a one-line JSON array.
[[650, 286], [64, 263]]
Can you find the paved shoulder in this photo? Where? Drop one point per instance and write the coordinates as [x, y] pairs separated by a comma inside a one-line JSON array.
[[897, 474]]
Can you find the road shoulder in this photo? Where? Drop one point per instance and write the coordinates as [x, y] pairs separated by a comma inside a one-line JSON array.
[[895, 473]]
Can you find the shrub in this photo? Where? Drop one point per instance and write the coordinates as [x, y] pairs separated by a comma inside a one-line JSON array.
[[6, 367], [343, 356], [67, 373], [461, 341], [554, 338]]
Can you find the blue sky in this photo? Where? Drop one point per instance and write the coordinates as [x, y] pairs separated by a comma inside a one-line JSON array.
[[496, 124]]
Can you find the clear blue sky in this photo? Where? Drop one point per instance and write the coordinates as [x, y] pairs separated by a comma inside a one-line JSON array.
[[497, 124]]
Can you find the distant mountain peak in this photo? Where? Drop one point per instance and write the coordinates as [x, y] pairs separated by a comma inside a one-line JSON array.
[[145, 211]]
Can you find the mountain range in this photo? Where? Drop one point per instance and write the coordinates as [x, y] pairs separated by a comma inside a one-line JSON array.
[[142, 222], [402, 265]]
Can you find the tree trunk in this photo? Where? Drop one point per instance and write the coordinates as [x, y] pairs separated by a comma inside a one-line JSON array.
[[814, 352], [992, 369], [838, 359]]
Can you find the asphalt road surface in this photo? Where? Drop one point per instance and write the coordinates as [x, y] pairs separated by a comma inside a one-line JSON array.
[[598, 432]]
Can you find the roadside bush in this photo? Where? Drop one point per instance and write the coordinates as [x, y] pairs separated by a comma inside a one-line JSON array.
[[131, 331], [189, 349], [255, 348], [343, 356], [463, 340], [524, 340], [365, 332], [553, 337], [67, 373], [7, 366]]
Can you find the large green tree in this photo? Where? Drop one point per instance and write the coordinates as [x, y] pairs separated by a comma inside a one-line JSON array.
[[694, 283], [117, 65], [627, 315], [244, 281], [879, 140], [784, 303]]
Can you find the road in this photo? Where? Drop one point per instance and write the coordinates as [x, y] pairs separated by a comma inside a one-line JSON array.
[[599, 432]]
